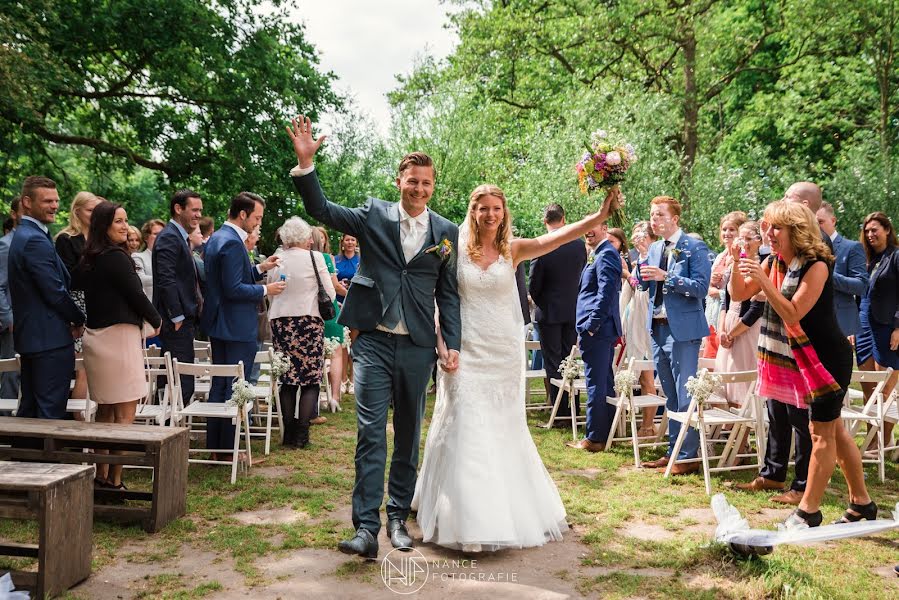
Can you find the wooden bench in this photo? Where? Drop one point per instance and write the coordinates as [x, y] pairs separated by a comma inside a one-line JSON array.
[[60, 497], [163, 449]]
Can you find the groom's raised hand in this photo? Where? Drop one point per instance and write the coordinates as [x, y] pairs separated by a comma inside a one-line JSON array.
[[304, 145]]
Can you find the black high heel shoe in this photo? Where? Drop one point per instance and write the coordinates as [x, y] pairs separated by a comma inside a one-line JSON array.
[[857, 512], [800, 517]]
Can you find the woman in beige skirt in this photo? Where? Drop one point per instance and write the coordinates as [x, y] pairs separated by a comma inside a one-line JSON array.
[[117, 309]]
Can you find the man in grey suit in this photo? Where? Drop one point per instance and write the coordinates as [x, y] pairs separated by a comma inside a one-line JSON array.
[[850, 273], [9, 382], [408, 263]]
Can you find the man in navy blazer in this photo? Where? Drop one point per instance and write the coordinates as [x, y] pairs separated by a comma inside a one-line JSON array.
[[46, 318], [230, 305], [676, 274], [850, 272], [554, 282], [176, 289], [599, 327]]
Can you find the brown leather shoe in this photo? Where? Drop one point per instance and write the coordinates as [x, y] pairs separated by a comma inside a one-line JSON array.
[[685, 468], [793, 497], [656, 464], [760, 484], [585, 444]]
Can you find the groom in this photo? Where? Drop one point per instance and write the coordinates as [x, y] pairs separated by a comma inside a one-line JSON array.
[[408, 261]]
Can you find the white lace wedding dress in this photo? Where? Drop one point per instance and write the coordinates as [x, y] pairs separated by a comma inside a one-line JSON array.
[[482, 485]]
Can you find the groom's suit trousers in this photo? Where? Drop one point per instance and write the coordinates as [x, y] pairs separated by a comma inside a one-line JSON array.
[[387, 367]]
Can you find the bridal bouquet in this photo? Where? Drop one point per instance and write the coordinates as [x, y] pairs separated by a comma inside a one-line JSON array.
[[605, 164]]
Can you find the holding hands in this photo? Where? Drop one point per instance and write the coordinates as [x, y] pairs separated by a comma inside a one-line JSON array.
[[304, 145]]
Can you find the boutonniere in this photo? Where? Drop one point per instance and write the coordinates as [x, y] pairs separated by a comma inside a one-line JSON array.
[[592, 258], [443, 250]]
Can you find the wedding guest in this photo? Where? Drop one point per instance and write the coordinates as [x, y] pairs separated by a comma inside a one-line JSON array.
[[207, 228], [134, 241], [176, 289], [143, 260], [738, 322], [554, 282], [117, 311], [298, 329], [599, 327], [803, 356], [618, 239], [69, 245], [232, 297], [677, 278], [46, 317], [877, 340], [195, 241], [850, 276], [9, 382], [727, 233], [637, 342], [333, 330], [346, 263], [264, 328], [809, 194]]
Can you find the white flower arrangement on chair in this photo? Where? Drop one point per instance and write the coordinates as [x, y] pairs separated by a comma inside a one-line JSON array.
[[241, 393]]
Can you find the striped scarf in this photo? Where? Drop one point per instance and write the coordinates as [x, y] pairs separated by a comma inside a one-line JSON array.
[[789, 368]]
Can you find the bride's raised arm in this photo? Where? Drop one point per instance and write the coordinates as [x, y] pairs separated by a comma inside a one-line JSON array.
[[527, 248]]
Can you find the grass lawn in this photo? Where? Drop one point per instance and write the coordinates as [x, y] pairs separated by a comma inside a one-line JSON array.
[[642, 536]]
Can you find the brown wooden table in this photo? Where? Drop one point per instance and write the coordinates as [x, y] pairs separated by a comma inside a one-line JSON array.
[[164, 449], [60, 498]]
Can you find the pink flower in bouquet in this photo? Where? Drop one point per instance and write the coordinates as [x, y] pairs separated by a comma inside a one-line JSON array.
[[579, 167], [613, 158]]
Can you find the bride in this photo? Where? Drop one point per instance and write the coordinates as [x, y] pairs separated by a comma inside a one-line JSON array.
[[482, 485]]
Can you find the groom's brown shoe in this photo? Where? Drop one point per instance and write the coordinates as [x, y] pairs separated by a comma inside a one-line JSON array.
[[656, 464], [760, 484], [585, 444]]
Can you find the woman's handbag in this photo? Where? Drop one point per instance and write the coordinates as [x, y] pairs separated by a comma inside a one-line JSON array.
[[325, 304]]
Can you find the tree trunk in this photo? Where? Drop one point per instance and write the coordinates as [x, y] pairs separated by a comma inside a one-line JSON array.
[[691, 109], [884, 64]]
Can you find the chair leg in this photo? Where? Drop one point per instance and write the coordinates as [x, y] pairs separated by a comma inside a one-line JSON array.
[[677, 444], [268, 428], [236, 450], [571, 401], [552, 414], [703, 449], [616, 421], [635, 440], [247, 440]]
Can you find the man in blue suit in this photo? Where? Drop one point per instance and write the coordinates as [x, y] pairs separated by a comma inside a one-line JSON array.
[[850, 273], [229, 309], [46, 318], [598, 326], [676, 274], [176, 288], [9, 382]]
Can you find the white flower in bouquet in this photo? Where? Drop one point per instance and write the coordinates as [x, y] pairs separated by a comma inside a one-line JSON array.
[[613, 158], [346, 338], [241, 393], [280, 364], [332, 345], [701, 388], [625, 380], [569, 369], [599, 134]]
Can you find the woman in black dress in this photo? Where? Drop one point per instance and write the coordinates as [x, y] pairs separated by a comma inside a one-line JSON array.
[[815, 365]]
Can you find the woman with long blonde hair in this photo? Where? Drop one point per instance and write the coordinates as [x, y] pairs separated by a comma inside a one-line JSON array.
[[804, 360], [482, 485]]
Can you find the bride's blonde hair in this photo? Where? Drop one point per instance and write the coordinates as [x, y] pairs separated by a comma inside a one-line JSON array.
[[503, 240]]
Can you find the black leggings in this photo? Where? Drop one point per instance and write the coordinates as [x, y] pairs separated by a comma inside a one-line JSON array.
[[293, 426]]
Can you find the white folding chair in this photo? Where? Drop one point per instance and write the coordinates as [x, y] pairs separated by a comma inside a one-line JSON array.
[[86, 407], [573, 384], [11, 365], [156, 408], [220, 410], [706, 363], [628, 406], [266, 390], [875, 412], [529, 348], [701, 415]]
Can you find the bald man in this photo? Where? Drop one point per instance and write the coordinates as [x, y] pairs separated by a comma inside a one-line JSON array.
[[808, 193]]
